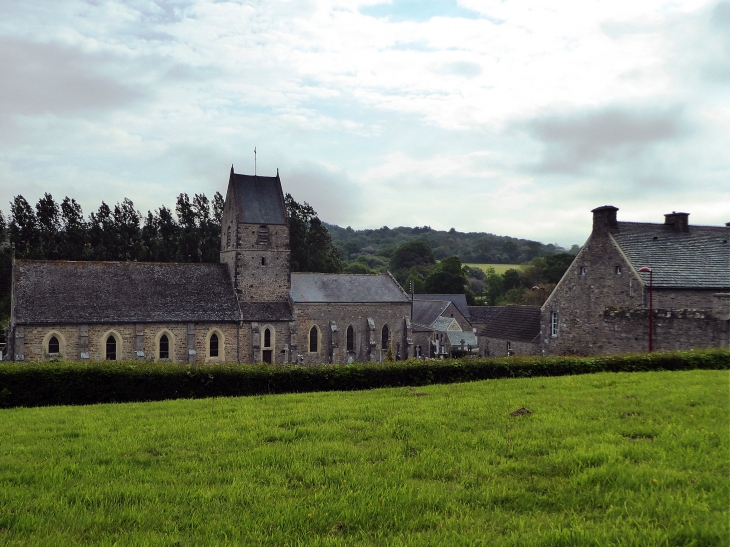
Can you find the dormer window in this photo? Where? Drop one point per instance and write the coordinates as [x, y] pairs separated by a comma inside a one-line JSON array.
[[262, 235]]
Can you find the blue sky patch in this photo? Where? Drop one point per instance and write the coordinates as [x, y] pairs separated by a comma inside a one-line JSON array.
[[418, 10]]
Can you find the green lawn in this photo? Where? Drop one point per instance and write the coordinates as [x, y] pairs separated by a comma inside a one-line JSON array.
[[607, 459], [499, 268]]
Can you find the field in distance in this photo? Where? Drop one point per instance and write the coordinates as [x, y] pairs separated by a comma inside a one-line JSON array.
[[499, 268], [607, 459]]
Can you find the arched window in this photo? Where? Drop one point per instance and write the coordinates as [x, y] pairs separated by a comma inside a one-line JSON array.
[[267, 338], [385, 338], [53, 345], [313, 335], [111, 348], [164, 347], [350, 338], [213, 345]]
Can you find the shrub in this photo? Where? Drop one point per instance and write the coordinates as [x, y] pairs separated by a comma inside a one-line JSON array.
[[74, 383]]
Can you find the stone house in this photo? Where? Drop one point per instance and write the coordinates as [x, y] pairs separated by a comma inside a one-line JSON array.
[[515, 330], [249, 308], [440, 328], [601, 305]]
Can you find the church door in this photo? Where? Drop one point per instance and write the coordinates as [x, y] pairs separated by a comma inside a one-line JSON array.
[[267, 356]]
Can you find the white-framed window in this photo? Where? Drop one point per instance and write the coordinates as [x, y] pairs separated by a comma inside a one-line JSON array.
[[554, 324], [509, 348]]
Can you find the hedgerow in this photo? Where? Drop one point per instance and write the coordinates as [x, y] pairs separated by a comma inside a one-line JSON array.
[[79, 383]]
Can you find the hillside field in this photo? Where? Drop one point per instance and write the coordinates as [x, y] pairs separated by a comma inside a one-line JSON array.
[[630, 459], [498, 268]]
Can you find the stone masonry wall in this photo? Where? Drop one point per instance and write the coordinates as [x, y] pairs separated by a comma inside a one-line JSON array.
[[322, 315], [260, 272], [496, 347], [129, 338]]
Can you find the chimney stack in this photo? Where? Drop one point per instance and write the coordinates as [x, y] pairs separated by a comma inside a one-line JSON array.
[[679, 221], [604, 219]]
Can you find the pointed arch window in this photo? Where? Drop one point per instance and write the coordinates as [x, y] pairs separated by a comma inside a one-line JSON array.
[[213, 345], [313, 340], [385, 338], [111, 348], [350, 338], [53, 345], [267, 338], [164, 347]]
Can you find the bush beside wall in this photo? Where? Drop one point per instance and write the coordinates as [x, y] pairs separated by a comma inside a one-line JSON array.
[[77, 383]]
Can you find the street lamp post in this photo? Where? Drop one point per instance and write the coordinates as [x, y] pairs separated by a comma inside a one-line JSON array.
[[651, 304]]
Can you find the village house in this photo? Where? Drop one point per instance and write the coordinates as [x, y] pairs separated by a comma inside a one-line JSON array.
[[679, 271]]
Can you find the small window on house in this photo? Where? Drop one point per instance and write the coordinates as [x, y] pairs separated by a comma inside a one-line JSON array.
[[554, 324], [509, 347], [263, 261], [111, 348], [164, 347], [53, 345], [267, 338], [262, 235], [385, 339], [213, 345], [350, 338], [618, 270], [583, 270], [313, 340]]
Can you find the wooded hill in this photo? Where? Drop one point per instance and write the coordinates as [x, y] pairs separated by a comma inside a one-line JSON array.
[[470, 247]]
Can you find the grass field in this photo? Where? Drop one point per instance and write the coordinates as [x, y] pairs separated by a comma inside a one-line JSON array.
[[499, 268], [607, 459]]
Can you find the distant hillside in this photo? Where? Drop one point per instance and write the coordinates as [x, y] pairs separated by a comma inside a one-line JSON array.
[[470, 247]]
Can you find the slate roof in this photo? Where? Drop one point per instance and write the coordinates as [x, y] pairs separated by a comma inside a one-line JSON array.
[[345, 288], [50, 291], [698, 259], [456, 336], [515, 323], [425, 312], [479, 315], [266, 311], [443, 323], [258, 200], [459, 301]]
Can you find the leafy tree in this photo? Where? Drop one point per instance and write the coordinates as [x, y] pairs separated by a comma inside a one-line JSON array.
[[413, 253], [312, 248], [24, 231], [449, 277], [126, 227], [48, 216], [512, 279], [74, 234], [556, 265], [359, 268], [493, 286]]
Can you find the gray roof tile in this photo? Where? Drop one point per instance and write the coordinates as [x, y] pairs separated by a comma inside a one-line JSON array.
[[459, 301], [479, 315], [456, 336], [515, 323], [49, 291], [345, 288], [266, 311], [258, 200], [425, 312], [699, 258]]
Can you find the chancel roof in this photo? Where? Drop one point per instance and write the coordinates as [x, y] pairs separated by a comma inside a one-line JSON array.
[[54, 291], [258, 200], [697, 258], [459, 300], [425, 312], [515, 323], [345, 288]]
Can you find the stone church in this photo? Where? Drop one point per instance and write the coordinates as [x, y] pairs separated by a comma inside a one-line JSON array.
[[250, 308]]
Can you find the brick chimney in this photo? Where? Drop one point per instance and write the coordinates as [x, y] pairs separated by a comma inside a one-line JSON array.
[[604, 219], [680, 221]]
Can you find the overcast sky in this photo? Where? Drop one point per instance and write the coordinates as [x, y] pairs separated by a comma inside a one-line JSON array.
[[511, 117]]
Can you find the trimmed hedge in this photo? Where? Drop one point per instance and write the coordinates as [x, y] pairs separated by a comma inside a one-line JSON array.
[[80, 383]]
